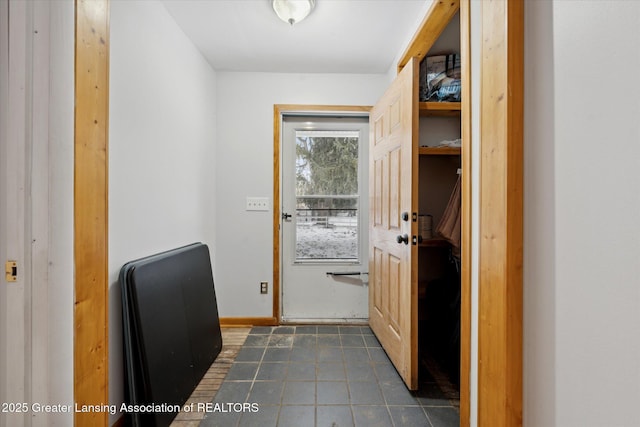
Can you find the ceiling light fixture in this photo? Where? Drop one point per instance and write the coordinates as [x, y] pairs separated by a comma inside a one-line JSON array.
[[293, 11]]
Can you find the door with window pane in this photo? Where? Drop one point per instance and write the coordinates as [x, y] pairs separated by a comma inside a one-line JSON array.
[[324, 224]]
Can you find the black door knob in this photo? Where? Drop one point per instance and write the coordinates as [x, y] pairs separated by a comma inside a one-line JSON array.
[[404, 238], [286, 216]]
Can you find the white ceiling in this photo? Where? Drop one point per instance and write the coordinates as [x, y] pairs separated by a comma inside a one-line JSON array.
[[340, 36]]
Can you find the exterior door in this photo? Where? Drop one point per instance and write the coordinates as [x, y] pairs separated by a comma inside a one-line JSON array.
[[323, 227], [393, 171]]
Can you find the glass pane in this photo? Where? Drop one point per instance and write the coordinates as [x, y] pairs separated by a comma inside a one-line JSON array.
[[326, 163], [328, 231], [327, 195]]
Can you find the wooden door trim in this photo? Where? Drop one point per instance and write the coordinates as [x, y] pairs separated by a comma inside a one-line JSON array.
[[500, 265], [278, 111], [91, 237], [501, 214], [465, 255], [434, 22]]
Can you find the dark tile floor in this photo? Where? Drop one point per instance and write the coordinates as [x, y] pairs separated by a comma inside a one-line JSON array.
[[332, 376]]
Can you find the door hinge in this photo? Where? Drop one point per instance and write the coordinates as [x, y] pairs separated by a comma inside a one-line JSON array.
[[414, 216], [11, 271]]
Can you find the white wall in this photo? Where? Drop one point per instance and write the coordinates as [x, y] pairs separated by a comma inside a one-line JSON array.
[[410, 31], [582, 210], [161, 148], [244, 240]]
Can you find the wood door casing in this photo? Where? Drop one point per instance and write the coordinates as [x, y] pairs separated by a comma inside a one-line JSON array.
[[393, 166], [91, 211]]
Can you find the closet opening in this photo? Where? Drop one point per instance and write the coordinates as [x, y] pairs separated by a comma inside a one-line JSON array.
[[439, 221], [439, 266]]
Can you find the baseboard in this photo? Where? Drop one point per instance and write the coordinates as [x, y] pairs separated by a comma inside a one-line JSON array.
[[238, 322]]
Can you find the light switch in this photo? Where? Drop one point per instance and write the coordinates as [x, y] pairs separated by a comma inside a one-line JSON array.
[[257, 203]]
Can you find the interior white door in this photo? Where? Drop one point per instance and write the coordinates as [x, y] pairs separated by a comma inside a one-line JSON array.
[[323, 228]]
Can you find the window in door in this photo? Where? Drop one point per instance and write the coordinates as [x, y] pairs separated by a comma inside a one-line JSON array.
[[324, 218], [326, 195]]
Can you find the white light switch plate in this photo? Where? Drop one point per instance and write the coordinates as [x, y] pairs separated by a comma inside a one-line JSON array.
[[257, 203]]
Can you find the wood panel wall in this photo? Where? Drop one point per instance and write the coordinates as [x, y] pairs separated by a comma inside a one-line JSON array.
[[91, 210]]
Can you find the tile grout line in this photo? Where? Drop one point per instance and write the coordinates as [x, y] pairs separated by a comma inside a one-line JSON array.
[[314, 345]]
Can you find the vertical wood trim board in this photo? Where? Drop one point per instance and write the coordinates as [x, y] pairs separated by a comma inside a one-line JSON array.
[[465, 275], [501, 211], [91, 209], [415, 178], [434, 22], [277, 136]]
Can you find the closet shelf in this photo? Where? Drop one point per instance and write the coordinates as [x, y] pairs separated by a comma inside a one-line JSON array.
[[442, 151], [440, 109]]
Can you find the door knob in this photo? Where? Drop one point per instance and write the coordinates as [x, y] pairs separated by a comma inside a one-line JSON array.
[[404, 238], [286, 216]]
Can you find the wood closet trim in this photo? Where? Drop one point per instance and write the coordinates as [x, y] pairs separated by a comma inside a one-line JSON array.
[[465, 268], [278, 111], [434, 22], [501, 214], [501, 203], [91, 127]]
